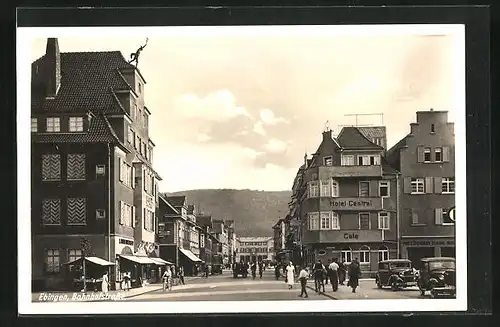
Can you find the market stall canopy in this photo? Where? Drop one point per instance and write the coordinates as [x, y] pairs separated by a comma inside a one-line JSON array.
[[139, 260], [96, 260], [160, 261], [190, 255]]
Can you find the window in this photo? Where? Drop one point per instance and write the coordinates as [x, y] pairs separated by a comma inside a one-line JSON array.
[[313, 189], [414, 217], [438, 154], [363, 160], [125, 173], [427, 154], [446, 217], [433, 128], [137, 143], [383, 220], [313, 221], [74, 254], [346, 254], [347, 160], [364, 254], [335, 221], [326, 188], [383, 189], [335, 189], [126, 214], [148, 220], [34, 125], [100, 213], [417, 186], [76, 166], [51, 212], [130, 136], [325, 222], [53, 124], [383, 253], [76, 124], [364, 221], [100, 169], [364, 189], [374, 160], [77, 211], [448, 185], [51, 167], [52, 263], [139, 88], [134, 112], [327, 161]]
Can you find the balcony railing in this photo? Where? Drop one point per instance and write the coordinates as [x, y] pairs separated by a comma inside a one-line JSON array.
[[325, 172]]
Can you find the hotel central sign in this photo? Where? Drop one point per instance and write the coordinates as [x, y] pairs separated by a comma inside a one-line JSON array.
[[355, 203]]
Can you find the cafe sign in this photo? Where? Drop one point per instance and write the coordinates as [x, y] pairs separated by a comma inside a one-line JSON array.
[[355, 203]]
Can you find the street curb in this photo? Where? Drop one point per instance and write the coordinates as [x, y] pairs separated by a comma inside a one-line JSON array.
[[153, 290], [323, 293]]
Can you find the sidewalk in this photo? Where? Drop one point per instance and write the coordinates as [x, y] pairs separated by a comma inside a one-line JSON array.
[[39, 296]]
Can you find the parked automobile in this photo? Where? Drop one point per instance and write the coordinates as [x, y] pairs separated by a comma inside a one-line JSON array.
[[216, 269], [239, 269], [396, 273], [437, 275]]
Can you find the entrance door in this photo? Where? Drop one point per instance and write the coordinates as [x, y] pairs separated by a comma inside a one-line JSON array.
[[415, 254], [448, 252]]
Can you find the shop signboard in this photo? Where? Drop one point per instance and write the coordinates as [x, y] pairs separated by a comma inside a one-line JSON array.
[[428, 242], [350, 236], [355, 204]]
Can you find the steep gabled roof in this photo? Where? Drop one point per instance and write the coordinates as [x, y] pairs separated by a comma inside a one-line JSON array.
[[176, 201], [87, 83], [372, 132], [351, 138], [170, 208], [401, 143]]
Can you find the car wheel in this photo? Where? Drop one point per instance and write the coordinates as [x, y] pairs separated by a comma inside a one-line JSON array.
[[434, 294], [394, 286], [378, 284]]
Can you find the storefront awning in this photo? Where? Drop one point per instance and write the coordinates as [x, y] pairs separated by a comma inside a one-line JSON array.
[[139, 260], [161, 262], [96, 260], [190, 255]]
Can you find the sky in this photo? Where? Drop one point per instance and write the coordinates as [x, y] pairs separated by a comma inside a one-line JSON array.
[[239, 109]]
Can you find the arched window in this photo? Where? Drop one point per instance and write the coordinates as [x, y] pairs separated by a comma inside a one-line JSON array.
[[383, 253], [346, 254], [364, 254], [335, 188]]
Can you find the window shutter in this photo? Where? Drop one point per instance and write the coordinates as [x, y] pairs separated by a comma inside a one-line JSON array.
[[438, 216], [133, 216], [446, 153], [428, 185], [120, 167], [420, 154], [438, 184], [133, 176], [407, 185], [121, 212]]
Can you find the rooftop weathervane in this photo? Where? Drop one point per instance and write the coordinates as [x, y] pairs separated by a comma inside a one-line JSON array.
[[134, 56], [327, 126]]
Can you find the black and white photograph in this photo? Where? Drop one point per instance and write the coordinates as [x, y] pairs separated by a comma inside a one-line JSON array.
[[242, 169]]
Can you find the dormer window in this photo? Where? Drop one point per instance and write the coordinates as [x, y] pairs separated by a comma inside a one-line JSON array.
[[53, 124], [328, 161], [76, 124], [34, 125], [433, 128]]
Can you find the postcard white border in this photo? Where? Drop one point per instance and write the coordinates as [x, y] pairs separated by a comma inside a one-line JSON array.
[[25, 36]]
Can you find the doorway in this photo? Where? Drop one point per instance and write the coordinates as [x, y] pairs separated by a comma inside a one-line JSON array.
[[415, 254]]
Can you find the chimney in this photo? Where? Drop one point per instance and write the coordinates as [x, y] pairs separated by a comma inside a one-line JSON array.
[[52, 63], [327, 135]]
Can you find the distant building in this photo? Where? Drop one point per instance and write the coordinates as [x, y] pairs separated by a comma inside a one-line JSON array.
[[426, 160], [345, 200], [279, 239], [255, 249]]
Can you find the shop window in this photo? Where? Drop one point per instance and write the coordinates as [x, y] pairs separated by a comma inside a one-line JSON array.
[[383, 253], [52, 261], [364, 254], [346, 254]]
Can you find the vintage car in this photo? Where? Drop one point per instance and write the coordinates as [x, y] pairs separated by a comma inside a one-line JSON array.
[[216, 269], [437, 275], [240, 269], [396, 273]]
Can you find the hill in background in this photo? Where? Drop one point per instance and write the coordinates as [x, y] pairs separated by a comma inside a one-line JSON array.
[[254, 212]]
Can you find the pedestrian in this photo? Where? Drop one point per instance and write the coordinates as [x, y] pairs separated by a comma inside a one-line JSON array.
[[261, 269], [277, 272], [342, 272], [127, 280], [303, 281], [180, 273], [319, 271], [290, 275], [354, 272], [167, 278], [327, 275], [207, 269], [105, 283], [254, 269], [334, 277]]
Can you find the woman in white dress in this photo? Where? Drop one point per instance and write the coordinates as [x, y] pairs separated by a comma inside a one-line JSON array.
[[290, 275], [105, 282]]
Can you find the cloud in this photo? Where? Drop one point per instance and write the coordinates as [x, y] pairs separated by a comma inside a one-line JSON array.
[[275, 146], [216, 106], [267, 117], [258, 128], [202, 137]]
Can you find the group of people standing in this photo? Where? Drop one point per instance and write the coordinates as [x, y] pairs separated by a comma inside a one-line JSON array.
[[335, 272]]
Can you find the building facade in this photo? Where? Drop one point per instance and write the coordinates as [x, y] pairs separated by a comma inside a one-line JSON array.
[[87, 170], [279, 238], [346, 197], [255, 249], [426, 160]]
